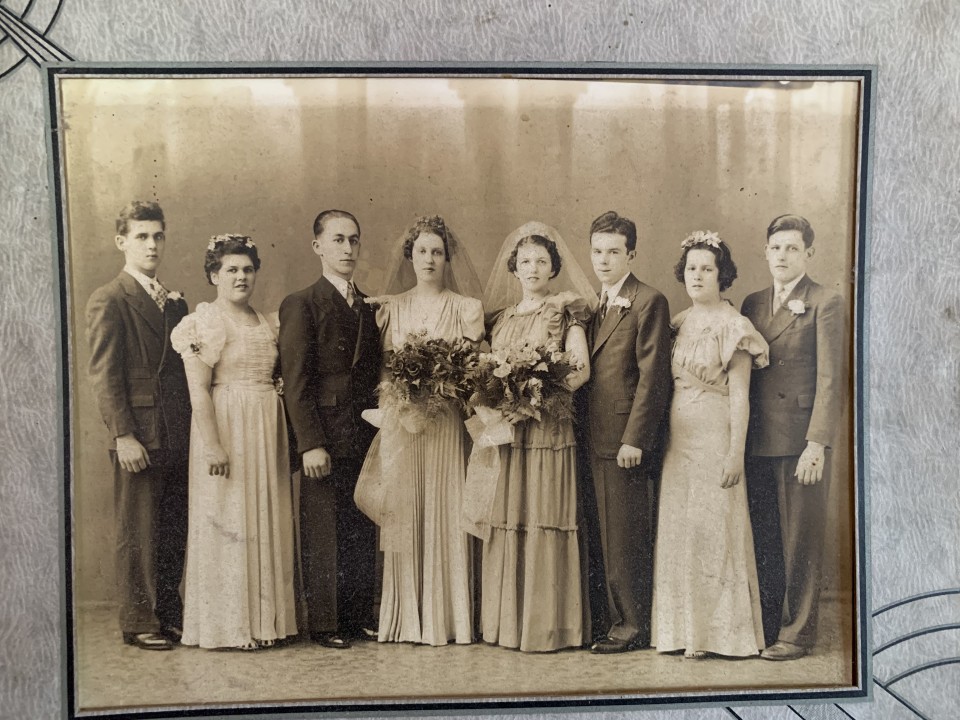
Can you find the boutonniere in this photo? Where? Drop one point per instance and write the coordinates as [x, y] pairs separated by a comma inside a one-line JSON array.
[[174, 296], [797, 307], [621, 303]]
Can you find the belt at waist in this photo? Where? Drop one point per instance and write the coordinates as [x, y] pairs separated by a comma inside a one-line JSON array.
[[685, 378], [246, 385]]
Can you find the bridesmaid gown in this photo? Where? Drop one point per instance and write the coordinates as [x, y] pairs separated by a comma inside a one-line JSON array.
[[532, 597], [239, 576], [706, 595]]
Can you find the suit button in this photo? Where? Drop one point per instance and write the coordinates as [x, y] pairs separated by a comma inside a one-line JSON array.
[[779, 362], [782, 396]]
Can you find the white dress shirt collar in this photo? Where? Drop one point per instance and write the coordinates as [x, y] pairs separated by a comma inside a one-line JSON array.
[[614, 289], [339, 283], [146, 282], [788, 288]]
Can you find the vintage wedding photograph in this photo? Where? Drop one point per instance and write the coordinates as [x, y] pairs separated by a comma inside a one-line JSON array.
[[460, 387]]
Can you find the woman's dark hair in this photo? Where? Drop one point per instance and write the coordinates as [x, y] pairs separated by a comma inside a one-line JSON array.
[[544, 242], [726, 268], [433, 225], [221, 245]]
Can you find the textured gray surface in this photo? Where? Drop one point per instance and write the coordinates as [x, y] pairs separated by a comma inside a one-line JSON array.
[[913, 268]]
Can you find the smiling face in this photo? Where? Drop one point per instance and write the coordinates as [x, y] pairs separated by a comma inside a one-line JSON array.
[[428, 258], [534, 268], [235, 278], [787, 255], [610, 257], [143, 245], [338, 245], [701, 276]]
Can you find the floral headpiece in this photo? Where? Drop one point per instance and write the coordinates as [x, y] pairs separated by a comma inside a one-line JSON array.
[[436, 225], [702, 237], [433, 221], [221, 239]]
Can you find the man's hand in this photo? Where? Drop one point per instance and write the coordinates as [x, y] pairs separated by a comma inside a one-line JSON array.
[[218, 462], [316, 463], [629, 456], [810, 465], [132, 455]]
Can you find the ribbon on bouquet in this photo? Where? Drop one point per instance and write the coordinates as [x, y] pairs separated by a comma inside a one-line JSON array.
[[489, 429]]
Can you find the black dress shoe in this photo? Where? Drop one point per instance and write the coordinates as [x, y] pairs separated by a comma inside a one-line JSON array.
[[783, 650], [609, 646], [331, 640], [147, 641], [173, 634]]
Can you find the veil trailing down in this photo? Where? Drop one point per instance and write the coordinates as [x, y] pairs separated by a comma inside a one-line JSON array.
[[502, 289]]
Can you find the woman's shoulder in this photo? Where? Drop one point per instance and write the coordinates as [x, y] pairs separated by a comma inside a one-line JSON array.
[[738, 333], [734, 319], [677, 320], [205, 316], [203, 332], [464, 305], [568, 302]]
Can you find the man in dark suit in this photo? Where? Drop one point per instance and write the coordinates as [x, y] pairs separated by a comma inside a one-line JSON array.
[[330, 360], [629, 392], [142, 393], [795, 404]]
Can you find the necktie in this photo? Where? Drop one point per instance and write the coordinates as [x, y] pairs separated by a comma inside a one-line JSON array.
[[603, 305], [159, 294], [778, 300], [352, 297]]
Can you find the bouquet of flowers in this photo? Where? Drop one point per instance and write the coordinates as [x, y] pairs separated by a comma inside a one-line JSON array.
[[425, 376], [524, 381]]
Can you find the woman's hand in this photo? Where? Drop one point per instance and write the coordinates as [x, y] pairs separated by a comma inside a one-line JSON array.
[[218, 462], [732, 471]]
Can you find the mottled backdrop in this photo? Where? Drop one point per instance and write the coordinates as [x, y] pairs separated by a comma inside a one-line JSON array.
[[914, 395]]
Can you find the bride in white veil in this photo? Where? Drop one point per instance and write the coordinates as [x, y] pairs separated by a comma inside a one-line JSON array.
[[532, 593], [412, 479]]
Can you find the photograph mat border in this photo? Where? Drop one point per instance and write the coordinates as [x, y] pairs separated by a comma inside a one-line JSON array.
[[864, 75]]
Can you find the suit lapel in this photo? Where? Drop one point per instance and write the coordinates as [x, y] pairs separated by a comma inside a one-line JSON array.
[[324, 289], [173, 313], [362, 315], [614, 315], [142, 303], [784, 317]]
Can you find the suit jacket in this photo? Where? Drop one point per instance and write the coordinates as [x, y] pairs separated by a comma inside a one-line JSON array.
[[137, 376], [800, 395], [630, 381], [330, 361]]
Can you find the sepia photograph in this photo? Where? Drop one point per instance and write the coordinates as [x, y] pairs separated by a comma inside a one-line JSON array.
[[460, 387]]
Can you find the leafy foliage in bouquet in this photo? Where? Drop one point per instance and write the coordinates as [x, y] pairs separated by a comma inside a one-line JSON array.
[[429, 374], [525, 381]]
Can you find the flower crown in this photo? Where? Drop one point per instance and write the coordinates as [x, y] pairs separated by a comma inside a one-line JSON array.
[[433, 221], [221, 239], [701, 237], [435, 224]]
